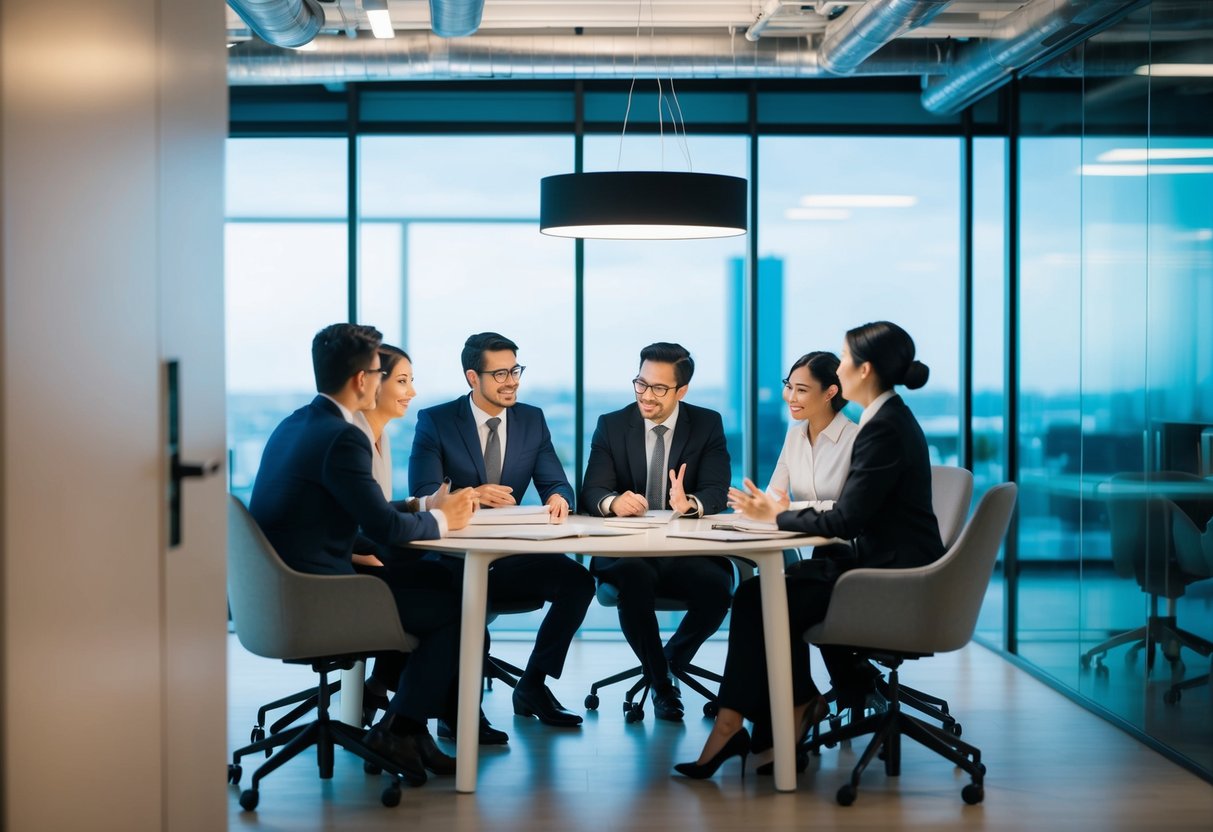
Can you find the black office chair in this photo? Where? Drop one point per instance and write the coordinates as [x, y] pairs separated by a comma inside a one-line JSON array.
[[1143, 548], [692, 675]]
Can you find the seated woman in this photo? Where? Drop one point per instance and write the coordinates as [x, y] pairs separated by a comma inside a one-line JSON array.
[[884, 510]]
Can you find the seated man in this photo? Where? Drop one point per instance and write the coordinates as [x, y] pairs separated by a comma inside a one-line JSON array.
[[489, 441], [313, 492], [633, 467]]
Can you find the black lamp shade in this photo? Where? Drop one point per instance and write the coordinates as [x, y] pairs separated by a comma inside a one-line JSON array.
[[642, 205]]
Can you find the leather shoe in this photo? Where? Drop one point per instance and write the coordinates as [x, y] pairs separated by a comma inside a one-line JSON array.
[[667, 702], [539, 702], [372, 702], [433, 757], [488, 734], [401, 751]]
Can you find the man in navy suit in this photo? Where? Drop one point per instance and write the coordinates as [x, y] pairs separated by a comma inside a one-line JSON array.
[[633, 467], [315, 490], [488, 441]]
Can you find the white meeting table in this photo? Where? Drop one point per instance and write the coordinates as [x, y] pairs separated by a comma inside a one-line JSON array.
[[766, 552]]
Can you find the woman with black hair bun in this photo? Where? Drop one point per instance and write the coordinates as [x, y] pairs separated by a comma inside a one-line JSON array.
[[884, 510]]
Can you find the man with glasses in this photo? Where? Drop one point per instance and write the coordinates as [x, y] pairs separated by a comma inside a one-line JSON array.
[[313, 493], [660, 453], [488, 441]]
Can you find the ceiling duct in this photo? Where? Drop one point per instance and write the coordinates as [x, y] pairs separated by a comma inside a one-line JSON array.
[[852, 38], [455, 18], [281, 22], [1032, 34], [422, 56]]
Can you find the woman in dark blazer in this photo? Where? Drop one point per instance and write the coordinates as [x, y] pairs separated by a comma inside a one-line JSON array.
[[885, 512]]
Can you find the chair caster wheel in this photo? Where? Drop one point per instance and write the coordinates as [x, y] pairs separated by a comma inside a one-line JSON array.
[[233, 773], [710, 709], [633, 715], [973, 793], [391, 795], [248, 799], [846, 795], [956, 729], [591, 702], [257, 734], [1085, 662], [1101, 670], [371, 768], [627, 706]]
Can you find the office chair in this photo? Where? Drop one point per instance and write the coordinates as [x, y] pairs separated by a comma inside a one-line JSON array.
[[1194, 554], [925, 610], [633, 710], [325, 621], [951, 496], [1143, 549]]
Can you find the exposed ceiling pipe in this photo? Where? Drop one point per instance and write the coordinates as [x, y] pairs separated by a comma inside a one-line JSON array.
[[422, 56], [281, 22], [850, 39], [455, 18], [755, 29], [1033, 33]]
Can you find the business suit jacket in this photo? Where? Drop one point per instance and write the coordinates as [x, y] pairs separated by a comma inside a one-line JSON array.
[[885, 506], [314, 490], [446, 444], [618, 462]]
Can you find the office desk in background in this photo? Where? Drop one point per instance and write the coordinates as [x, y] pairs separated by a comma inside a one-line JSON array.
[[766, 553]]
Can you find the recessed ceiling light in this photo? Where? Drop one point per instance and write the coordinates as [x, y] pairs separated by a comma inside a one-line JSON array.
[[379, 18]]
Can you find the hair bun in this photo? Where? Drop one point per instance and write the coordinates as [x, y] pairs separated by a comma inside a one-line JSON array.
[[916, 375]]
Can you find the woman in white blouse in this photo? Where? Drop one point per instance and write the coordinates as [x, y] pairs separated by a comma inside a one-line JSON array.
[[816, 453]]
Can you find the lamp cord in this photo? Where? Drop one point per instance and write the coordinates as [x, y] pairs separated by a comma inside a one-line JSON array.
[[675, 109]]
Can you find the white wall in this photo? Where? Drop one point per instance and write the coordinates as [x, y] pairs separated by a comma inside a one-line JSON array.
[[113, 117]]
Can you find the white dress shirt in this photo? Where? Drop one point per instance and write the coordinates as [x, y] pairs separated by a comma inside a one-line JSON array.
[[381, 464], [812, 474]]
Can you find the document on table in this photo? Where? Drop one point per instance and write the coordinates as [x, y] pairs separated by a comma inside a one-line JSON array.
[[512, 515], [518, 531], [651, 519], [733, 535]]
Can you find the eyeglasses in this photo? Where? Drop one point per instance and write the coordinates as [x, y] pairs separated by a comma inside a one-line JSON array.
[[500, 376], [379, 371], [659, 390]]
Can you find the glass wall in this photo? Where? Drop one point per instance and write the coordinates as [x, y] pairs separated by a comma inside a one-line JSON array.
[[1116, 389]]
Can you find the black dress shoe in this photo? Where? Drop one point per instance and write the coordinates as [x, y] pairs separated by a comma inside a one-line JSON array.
[[433, 757], [488, 734], [667, 703], [372, 702], [401, 751], [539, 702]]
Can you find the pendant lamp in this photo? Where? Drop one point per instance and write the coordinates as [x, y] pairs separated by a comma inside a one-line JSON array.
[[644, 205]]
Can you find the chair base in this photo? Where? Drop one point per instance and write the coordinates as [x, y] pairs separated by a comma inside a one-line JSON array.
[[634, 710], [500, 670], [324, 733], [887, 728], [1160, 631]]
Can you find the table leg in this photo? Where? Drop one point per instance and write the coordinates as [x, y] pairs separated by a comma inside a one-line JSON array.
[[471, 668], [352, 681], [779, 669]]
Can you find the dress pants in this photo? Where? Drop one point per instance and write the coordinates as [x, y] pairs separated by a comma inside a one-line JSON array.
[[810, 585], [429, 606], [700, 582], [539, 579]]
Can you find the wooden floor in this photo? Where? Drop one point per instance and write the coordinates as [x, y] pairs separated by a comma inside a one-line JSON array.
[[1051, 766]]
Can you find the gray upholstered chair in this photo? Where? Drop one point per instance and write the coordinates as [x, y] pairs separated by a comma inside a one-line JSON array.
[[325, 621], [925, 610]]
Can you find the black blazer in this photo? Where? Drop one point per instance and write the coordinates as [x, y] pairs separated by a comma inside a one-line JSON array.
[[618, 463], [314, 490], [885, 507]]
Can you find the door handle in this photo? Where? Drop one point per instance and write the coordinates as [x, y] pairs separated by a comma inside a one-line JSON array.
[[178, 470]]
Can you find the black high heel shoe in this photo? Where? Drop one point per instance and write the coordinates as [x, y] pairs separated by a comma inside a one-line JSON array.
[[818, 710], [738, 745]]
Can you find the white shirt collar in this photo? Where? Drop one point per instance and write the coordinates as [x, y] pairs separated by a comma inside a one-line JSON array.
[[346, 413], [481, 417], [874, 407], [649, 424], [834, 430]]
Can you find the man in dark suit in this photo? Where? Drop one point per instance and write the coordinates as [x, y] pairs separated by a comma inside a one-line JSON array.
[[488, 441], [313, 493], [634, 467]]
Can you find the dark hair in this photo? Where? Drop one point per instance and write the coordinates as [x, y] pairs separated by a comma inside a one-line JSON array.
[[340, 351], [676, 354], [477, 345], [890, 349], [389, 355], [823, 367]]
